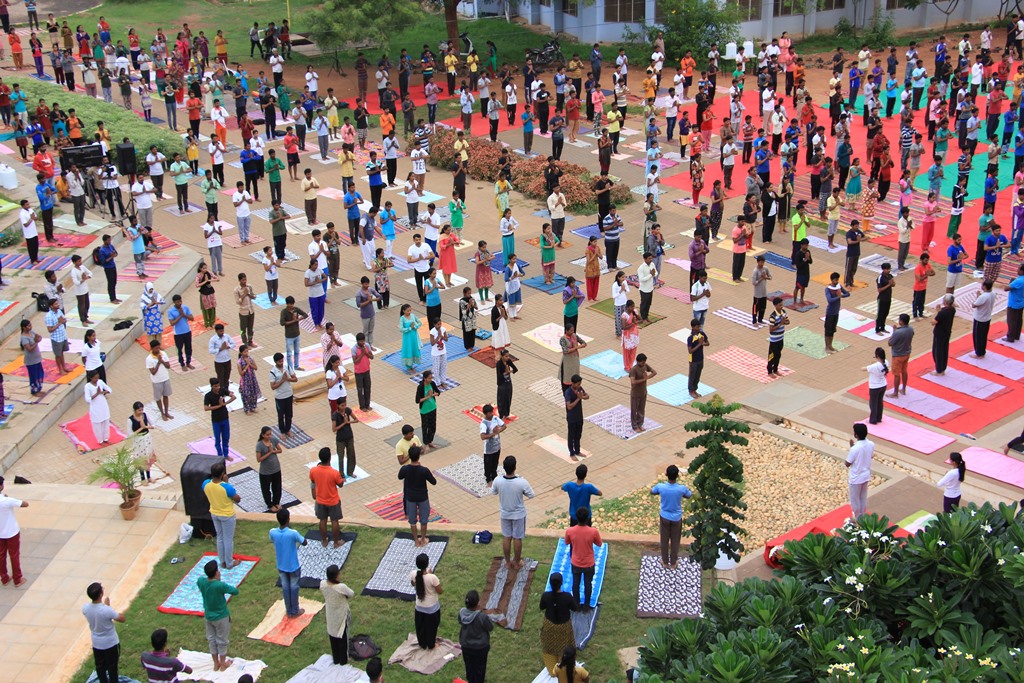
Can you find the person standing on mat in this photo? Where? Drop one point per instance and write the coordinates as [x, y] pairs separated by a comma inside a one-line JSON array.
[[427, 613], [574, 395], [858, 462], [638, 376], [324, 484], [982, 314], [1014, 306], [922, 271], [834, 295], [695, 344], [426, 398], [885, 282], [215, 402], [877, 384], [777, 322], [581, 539], [491, 427], [670, 521], [415, 495], [336, 597], [216, 614], [900, 343], [106, 646], [759, 278], [942, 330], [220, 347], [512, 490], [556, 629], [342, 420], [222, 497], [504, 369], [854, 236], [286, 549], [951, 483]]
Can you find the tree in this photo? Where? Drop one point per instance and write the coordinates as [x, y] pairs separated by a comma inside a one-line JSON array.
[[696, 25], [451, 21], [340, 24], [717, 503]]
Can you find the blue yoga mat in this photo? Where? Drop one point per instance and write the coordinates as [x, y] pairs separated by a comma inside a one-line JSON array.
[[186, 599], [456, 350], [779, 261], [562, 564], [263, 301], [537, 282], [498, 263], [588, 231], [674, 390], [608, 363]]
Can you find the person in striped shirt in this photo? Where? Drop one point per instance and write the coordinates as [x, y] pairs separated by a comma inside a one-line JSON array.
[[159, 665], [777, 322]]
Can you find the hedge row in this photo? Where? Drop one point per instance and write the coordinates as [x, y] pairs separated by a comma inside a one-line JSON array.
[[119, 121]]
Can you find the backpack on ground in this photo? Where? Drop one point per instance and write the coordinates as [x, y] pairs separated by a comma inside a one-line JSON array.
[[362, 647]]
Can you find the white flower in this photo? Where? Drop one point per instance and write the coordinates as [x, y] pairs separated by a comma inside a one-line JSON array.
[[849, 638], [868, 551], [840, 646], [941, 543], [1001, 562], [863, 650], [877, 534], [860, 587], [858, 571], [986, 528], [848, 610], [850, 580], [798, 627], [828, 579], [884, 539], [827, 601]]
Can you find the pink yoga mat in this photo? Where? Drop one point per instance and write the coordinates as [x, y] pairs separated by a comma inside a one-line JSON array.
[[925, 405], [994, 465], [966, 383], [905, 434], [996, 364], [206, 447]]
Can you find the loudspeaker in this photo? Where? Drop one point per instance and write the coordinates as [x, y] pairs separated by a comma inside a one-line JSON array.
[[126, 162], [194, 471], [84, 156]]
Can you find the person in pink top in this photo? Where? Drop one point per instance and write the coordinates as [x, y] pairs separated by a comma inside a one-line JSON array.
[[581, 539], [931, 211], [362, 354], [348, 132], [739, 250], [597, 97]]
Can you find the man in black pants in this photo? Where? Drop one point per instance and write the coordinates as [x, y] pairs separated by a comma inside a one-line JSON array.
[[281, 379], [426, 398], [106, 256], [574, 397], [885, 283], [494, 115], [106, 647]]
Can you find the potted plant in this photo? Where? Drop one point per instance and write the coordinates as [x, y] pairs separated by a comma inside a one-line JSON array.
[[122, 469]]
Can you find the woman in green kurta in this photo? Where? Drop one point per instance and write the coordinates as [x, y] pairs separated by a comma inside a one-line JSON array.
[[548, 242], [409, 324]]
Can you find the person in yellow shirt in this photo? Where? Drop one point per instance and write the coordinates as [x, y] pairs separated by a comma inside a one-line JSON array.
[[473, 63], [451, 66], [347, 159], [408, 440], [614, 128], [222, 497], [462, 147], [574, 70], [220, 44], [192, 153], [650, 86]]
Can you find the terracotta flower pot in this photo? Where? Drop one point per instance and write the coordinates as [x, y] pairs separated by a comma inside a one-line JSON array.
[[130, 508]]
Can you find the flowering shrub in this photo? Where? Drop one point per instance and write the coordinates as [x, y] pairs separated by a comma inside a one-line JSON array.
[[527, 174], [862, 605]]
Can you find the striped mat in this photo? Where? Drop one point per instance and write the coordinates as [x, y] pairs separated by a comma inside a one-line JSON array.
[[235, 242], [745, 363], [289, 255], [155, 267], [506, 595], [391, 577], [290, 210], [733, 314], [21, 261], [297, 438], [163, 242], [674, 293], [617, 422], [779, 261], [392, 508], [898, 307]]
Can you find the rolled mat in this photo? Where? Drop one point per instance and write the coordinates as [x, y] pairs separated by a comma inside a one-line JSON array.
[[280, 629], [561, 564], [669, 593], [994, 465], [506, 594], [314, 558], [391, 577], [247, 483], [186, 599], [79, 432]]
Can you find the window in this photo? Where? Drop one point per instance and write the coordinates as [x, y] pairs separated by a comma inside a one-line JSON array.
[[786, 8], [749, 10], [891, 5], [826, 5], [545, 3], [571, 7], [625, 11]]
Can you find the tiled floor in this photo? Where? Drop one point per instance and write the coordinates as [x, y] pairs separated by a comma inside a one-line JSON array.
[[38, 548]]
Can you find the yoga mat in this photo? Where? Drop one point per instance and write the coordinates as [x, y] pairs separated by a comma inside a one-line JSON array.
[[498, 263], [674, 390], [22, 262], [897, 309], [788, 302], [456, 349], [926, 405], [155, 267], [247, 483], [505, 597], [444, 386], [102, 310], [550, 389], [732, 314], [297, 438], [179, 418], [994, 465], [278, 628], [476, 414], [582, 263], [554, 287], [233, 388], [378, 417], [438, 441], [69, 241], [873, 262], [235, 241], [964, 298], [486, 356], [392, 508], [425, 661], [824, 279], [674, 293], [908, 435], [467, 474], [311, 359], [779, 261], [535, 242], [810, 343], [201, 664], [167, 336], [391, 577], [997, 364], [588, 231], [583, 626], [669, 593], [915, 522], [289, 256], [1017, 345], [746, 363], [314, 558], [324, 670], [616, 421], [74, 346], [79, 432], [6, 306], [966, 383], [561, 564], [559, 447], [290, 210], [206, 447], [607, 362], [8, 414], [547, 335], [50, 374], [607, 307], [186, 599]]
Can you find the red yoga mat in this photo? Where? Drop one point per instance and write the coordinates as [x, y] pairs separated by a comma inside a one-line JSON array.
[[80, 433], [826, 524]]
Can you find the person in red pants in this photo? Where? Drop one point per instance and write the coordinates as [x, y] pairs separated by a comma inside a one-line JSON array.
[[10, 538]]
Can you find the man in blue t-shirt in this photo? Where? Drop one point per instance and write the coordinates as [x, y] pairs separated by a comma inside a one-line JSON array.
[[579, 493], [762, 158], [180, 315], [955, 257], [286, 547], [352, 201], [672, 494]]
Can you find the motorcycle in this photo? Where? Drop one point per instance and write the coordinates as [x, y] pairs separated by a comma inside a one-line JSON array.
[[467, 45], [551, 53]]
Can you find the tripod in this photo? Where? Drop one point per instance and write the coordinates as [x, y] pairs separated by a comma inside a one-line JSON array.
[[336, 67]]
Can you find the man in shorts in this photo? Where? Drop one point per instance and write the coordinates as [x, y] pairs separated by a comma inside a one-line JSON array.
[[955, 255], [512, 490], [415, 478], [216, 614], [159, 366], [324, 484]]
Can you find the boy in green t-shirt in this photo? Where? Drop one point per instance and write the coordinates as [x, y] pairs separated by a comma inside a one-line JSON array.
[[215, 610]]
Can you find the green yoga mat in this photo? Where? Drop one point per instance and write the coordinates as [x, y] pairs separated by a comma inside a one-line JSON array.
[[975, 181], [607, 307], [6, 206], [810, 343]]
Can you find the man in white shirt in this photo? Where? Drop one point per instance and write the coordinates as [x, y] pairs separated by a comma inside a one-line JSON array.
[[322, 126], [858, 462], [217, 149], [317, 249], [729, 151], [155, 161], [89, 76], [80, 276], [672, 113], [658, 60], [243, 212], [647, 274], [10, 538], [277, 67], [556, 208], [700, 295], [419, 257], [622, 63], [142, 192], [159, 374], [29, 231], [391, 148], [214, 233], [220, 347], [431, 226], [313, 81], [986, 40], [419, 166], [76, 188], [219, 118]]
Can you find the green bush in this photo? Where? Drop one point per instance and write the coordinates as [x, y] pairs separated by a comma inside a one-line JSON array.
[[119, 121], [863, 605]]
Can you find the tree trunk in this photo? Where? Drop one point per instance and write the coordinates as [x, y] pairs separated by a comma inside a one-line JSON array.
[[451, 22]]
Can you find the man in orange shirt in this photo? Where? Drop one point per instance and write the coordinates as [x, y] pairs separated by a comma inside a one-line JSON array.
[[688, 63], [195, 114], [324, 484], [387, 123], [581, 540]]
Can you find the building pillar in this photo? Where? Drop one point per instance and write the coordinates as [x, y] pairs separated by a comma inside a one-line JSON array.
[[767, 26]]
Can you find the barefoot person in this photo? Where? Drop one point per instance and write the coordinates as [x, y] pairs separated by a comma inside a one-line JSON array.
[[512, 490], [106, 648], [286, 542], [414, 478], [216, 614], [670, 515], [900, 342], [324, 484], [638, 376]]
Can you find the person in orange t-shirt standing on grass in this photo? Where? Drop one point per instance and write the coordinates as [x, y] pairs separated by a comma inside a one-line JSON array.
[[581, 540], [324, 484]]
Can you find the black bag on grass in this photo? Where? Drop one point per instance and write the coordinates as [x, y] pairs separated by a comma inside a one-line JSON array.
[[362, 647]]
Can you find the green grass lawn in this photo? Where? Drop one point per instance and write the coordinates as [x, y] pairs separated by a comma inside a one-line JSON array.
[[515, 656]]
